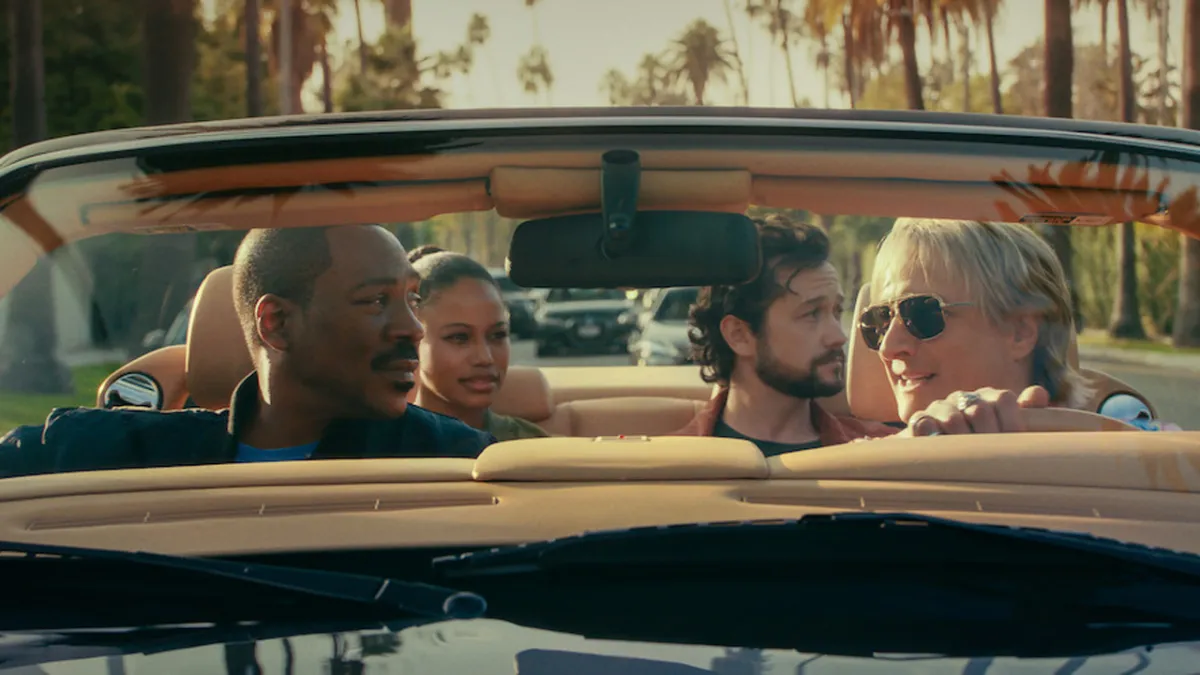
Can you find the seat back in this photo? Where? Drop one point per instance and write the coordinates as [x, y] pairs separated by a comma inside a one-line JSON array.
[[165, 365], [629, 401], [217, 355], [869, 391]]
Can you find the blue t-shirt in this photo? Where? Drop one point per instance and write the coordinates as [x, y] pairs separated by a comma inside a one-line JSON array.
[[249, 453]]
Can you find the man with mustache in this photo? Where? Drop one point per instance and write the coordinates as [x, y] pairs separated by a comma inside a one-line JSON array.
[[774, 345], [328, 317]]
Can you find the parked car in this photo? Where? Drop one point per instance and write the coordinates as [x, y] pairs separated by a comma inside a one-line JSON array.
[[577, 320], [522, 303], [643, 306], [662, 339]]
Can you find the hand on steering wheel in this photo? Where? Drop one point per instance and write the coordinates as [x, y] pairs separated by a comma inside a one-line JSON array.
[[989, 411]]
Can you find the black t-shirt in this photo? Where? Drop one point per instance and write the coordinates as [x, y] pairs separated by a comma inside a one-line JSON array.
[[768, 448]]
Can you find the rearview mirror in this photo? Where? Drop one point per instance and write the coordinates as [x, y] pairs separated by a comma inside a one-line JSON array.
[[666, 248]]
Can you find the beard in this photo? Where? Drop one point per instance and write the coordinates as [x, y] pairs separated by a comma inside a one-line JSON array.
[[796, 383]]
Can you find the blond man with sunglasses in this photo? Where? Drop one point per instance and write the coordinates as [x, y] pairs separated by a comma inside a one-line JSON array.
[[966, 313]]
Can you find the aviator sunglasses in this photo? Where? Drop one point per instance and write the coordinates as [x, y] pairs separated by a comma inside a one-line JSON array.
[[923, 316]]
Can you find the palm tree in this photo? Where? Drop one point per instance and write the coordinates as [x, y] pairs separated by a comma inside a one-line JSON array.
[[1126, 320], [28, 359], [991, 8], [816, 23], [865, 36], [654, 84], [1058, 67], [326, 79], [534, 72], [699, 56], [616, 86], [1160, 10], [398, 13], [903, 14], [169, 41], [1187, 317], [311, 23], [784, 27], [253, 29], [737, 54], [362, 41]]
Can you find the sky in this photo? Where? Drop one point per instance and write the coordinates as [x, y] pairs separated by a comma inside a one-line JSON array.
[[585, 38]]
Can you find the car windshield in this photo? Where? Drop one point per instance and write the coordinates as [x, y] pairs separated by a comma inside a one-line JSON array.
[[356, 286]]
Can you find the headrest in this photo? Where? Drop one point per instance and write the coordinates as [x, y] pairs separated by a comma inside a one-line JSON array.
[[525, 394], [867, 385], [217, 356]]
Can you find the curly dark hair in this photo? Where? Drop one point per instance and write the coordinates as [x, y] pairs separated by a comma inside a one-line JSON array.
[[785, 245]]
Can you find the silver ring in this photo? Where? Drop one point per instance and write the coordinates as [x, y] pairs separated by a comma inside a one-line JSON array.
[[966, 400]]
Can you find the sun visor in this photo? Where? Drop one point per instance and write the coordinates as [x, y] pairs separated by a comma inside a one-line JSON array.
[[530, 193]]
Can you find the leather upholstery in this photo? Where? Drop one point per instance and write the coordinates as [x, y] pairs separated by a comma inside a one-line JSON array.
[[166, 365], [217, 356]]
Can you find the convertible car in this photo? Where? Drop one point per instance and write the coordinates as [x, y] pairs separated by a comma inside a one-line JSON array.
[[610, 546]]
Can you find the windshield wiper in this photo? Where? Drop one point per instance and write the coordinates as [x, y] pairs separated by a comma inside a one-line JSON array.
[[63, 586]]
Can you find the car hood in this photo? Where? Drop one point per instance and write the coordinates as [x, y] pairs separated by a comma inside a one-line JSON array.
[[586, 306], [488, 646]]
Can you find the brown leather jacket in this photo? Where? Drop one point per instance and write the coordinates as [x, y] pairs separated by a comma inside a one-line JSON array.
[[833, 430]]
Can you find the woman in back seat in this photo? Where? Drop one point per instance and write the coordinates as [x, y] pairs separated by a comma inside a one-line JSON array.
[[464, 354]]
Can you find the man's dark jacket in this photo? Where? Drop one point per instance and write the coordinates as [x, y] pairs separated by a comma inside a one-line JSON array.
[[93, 439]]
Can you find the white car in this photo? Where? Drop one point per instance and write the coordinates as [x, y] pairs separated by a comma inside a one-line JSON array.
[[663, 336]]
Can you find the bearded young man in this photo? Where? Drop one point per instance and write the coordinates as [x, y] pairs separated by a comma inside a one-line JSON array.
[[774, 345]]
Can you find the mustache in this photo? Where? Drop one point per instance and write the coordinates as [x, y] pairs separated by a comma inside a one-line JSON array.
[[404, 351], [830, 357]]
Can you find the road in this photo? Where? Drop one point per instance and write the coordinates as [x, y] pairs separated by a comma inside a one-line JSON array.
[[1172, 392]]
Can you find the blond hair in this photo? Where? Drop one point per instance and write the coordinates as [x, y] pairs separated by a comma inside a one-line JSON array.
[[1008, 269]]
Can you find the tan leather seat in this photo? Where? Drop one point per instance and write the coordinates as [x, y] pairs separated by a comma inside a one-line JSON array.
[[217, 356], [212, 362], [526, 394], [166, 366], [870, 393]]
